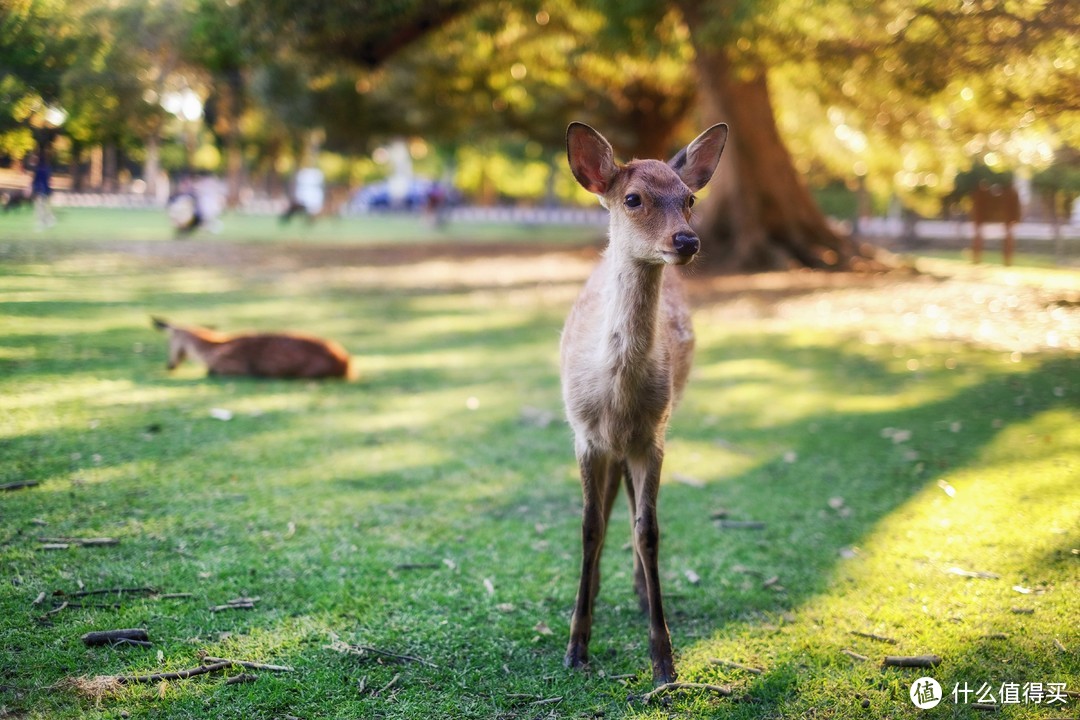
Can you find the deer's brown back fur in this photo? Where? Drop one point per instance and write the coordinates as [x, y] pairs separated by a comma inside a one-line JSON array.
[[266, 355]]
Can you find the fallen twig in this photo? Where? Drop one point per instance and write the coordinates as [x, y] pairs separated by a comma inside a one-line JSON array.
[[988, 707], [361, 650], [241, 678], [85, 542], [138, 643], [108, 637], [109, 591], [854, 655], [56, 610], [668, 687], [547, 701], [872, 636], [246, 664], [737, 666], [240, 603], [1023, 611], [174, 596], [980, 574], [921, 661], [418, 566], [741, 525], [177, 675], [1059, 645], [387, 686], [39, 599], [19, 485]]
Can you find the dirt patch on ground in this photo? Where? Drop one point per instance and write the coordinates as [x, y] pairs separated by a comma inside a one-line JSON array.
[[1012, 310]]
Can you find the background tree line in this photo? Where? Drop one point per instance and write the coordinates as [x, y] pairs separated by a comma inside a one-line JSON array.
[[893, 97]]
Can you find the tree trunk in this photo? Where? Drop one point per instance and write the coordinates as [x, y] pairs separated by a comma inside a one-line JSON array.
[[759, 214], [152, 164]]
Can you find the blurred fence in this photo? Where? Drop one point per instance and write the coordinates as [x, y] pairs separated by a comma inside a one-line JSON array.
[[896, 232]]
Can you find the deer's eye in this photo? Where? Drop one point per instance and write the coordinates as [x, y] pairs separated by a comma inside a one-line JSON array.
[[690, 201], [632, 200]]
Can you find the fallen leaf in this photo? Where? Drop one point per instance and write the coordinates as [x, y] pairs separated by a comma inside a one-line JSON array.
[[687, 480], [692, 576], [542, 628], [489, 586], [221, 414]]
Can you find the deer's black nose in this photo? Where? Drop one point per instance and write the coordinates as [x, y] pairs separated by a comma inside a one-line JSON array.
[[686, 244]]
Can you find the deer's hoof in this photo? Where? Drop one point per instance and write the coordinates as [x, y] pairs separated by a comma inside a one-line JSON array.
[[576, 658], [664, 672]]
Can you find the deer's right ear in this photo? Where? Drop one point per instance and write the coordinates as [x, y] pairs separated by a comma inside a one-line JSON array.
[[591, 158], [159, 323]]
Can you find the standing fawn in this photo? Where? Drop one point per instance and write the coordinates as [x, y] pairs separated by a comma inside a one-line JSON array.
[[267, 355], [626, 353]]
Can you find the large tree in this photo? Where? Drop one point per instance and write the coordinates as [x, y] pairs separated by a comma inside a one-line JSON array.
[[885, 65]]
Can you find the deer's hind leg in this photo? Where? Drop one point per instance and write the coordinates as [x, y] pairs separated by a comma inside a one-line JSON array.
[[645, 478]]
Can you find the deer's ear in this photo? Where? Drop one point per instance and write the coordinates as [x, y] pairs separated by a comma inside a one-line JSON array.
[[591, 158], [697, 162]]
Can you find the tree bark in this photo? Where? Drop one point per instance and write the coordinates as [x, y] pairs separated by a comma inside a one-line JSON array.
[[759, 214]]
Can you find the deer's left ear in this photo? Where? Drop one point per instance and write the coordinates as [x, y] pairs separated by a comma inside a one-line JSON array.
[[697, 162], [591, 158]]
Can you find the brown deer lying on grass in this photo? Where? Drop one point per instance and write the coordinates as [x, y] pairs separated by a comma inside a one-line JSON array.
[[266, 355], [626, 353]]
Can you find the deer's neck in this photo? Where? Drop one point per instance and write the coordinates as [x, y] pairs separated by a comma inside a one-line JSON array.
[[200, 343], [631, 316]]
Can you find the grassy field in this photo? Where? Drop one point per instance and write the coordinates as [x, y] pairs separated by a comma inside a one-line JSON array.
[[108, 225], [409, 541]]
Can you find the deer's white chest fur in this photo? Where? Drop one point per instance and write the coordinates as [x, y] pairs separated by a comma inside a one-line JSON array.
[[618, 376]]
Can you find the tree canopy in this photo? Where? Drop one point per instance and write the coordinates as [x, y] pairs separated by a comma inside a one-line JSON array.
[[895, 96]]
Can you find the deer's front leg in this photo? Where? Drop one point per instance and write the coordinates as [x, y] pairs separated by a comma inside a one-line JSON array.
[[645, 476], [594, 475]]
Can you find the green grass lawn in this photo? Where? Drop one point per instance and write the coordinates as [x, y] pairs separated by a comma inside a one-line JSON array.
[[431, 509], [107, 225]]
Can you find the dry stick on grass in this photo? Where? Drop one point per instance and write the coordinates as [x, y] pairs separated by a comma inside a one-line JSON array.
[[241, 678], [741, 525], [240, 603], [547, 701], [110, 591], [138, 643], [387, 686], [39, 599], [246, 664], [919, 661], [108, 637], [177, 675], [85, 542], [872, 636], [418, 566], [215, 664], [854, 655], [19, 485], [362, 650], [668, 687], [737, 666]]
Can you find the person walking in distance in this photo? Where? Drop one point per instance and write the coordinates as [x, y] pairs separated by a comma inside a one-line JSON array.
[[41, 191]]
